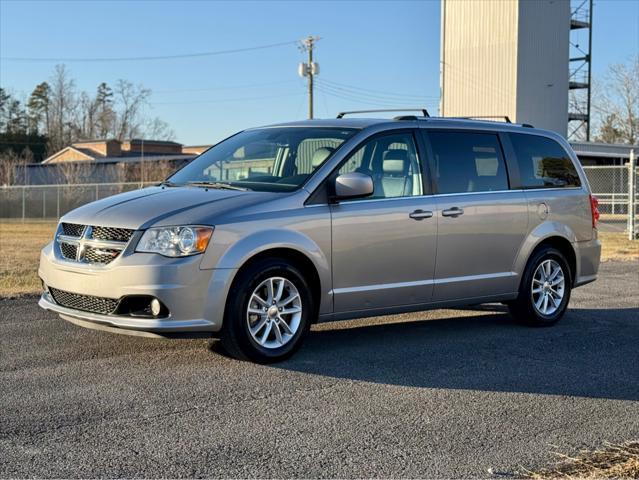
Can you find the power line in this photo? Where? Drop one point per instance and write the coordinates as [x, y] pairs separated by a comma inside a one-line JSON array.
[[138, 59], [373, 102], [385, 93], [221, 100], [225, 87], [370, 96]]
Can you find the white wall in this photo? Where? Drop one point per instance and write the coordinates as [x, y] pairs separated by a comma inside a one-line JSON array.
[[506, 57], [542, 66]]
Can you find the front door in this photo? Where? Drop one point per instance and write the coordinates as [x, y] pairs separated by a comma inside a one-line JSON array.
[[384, 245], [481, 223]]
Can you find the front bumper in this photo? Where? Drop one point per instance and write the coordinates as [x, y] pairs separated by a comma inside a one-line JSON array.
[[194, 297]]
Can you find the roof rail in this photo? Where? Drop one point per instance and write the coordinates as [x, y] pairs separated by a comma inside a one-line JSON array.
[[423, 110], [505, 118]]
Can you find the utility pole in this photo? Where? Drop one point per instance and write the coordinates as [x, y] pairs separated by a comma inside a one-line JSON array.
[[310, 69]]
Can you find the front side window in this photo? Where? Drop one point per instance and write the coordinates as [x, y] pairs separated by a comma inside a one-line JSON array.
[[467, 162], [267, 159], [392, 162], [543, 163]]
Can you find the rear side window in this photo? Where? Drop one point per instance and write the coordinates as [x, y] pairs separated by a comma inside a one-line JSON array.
[[467, 162], [543, 163]]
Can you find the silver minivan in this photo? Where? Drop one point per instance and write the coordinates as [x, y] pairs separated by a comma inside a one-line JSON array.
[[280, 227]]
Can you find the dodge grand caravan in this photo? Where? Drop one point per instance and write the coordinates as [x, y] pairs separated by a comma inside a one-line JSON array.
[[279, 227]]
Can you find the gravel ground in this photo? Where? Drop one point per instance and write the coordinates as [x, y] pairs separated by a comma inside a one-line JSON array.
[[438, 394]]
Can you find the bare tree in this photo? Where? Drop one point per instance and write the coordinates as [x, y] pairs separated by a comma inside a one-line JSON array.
[[10, 164], [9, 160], [88, 113], [131, 99], [158, 129], [158, 171], [63, 108], [616, 104], [77, 172]]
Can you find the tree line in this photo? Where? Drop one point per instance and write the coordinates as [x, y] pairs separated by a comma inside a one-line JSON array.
[[616, 104], [57, 114]]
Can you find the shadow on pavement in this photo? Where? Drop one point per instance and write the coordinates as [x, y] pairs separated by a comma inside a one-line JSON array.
[[590, 353]]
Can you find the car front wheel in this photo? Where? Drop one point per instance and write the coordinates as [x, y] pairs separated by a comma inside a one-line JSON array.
[[268, 313]]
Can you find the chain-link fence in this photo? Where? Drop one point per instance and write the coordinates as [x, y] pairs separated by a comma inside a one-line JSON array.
[[618, 207], [610, 184], [50, 202]]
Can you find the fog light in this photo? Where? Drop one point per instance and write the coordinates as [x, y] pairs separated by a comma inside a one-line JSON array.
[[155, 307]]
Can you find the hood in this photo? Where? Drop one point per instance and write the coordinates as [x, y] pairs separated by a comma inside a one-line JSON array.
[[164, 206]]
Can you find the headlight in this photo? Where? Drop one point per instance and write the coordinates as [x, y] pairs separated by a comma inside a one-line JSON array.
[[175, 241]]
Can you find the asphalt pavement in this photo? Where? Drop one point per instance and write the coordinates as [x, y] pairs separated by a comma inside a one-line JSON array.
[[448, 393]]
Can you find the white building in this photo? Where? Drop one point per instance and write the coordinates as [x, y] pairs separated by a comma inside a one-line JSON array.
[[506, 58]]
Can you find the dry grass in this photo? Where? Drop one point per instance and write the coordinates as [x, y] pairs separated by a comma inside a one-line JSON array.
[[610, 461], [616, 246], [20, 245]]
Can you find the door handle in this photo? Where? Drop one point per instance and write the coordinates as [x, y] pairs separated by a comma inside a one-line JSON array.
[[453, 212], [420, 214]]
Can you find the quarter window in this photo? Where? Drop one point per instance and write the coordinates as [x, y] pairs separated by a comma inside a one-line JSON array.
[[543, 163], [392, 162], [467, 162]]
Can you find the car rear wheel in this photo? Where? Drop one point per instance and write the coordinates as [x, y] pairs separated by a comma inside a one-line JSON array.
[[268, 313], [545, 289]]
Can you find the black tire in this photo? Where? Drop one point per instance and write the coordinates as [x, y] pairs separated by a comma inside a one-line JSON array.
[[523, 308], [235, 336]]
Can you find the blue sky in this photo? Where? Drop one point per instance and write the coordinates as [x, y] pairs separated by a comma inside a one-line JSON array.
[[389, 50]]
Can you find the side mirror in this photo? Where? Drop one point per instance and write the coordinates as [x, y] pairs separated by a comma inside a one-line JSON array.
[[353, 185]]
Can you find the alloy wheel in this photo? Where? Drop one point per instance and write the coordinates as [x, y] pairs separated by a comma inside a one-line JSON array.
[[274, 312], [548, 287]]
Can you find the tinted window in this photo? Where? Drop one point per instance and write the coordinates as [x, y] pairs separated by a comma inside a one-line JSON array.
[[467, 162], [392, 162], [543, 163]]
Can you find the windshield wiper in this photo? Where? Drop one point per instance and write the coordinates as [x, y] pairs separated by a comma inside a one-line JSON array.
[[220, 185], [167, 183]]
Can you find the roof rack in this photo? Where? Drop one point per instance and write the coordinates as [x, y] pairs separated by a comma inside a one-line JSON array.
[[505, 118], [423, 110]]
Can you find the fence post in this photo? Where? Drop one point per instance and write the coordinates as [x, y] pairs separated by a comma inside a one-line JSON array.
[[57, 203], [44, 203], [632, 186], [96, 191], [23, 202]]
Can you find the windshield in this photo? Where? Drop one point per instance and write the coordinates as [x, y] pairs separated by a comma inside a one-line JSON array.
[[268, 159]]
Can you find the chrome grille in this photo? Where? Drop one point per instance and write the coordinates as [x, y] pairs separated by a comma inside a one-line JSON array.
[[110, 233], [86, 303], [72, 229], [100, 255], [92, 244], [69, 251]]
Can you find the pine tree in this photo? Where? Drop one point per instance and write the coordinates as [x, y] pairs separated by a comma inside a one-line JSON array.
[[38, 106], [105, 113]]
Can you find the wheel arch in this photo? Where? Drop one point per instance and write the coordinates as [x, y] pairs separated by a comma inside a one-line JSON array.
[[556, 241], [297, 259], [303, 251]]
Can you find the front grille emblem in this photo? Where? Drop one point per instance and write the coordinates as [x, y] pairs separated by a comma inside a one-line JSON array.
[[86, 234], [78, 243]]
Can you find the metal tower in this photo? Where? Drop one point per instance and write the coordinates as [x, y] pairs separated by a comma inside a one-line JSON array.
[[580, 71]]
